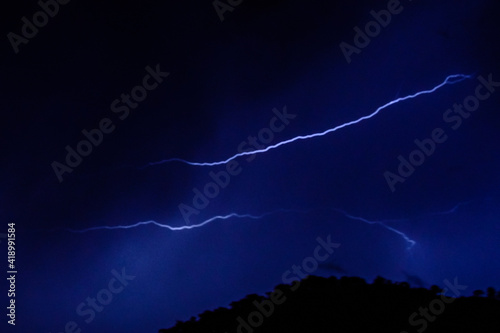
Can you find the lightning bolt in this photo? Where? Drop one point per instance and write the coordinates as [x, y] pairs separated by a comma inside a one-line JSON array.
[[184, 227], [451, 79]]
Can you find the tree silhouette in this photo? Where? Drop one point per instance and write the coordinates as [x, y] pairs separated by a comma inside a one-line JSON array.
[[478, 293], [491, 292], [436, 289]]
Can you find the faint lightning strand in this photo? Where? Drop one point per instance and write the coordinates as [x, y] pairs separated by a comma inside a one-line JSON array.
[[382, 223], [454, 209], [451, 79]]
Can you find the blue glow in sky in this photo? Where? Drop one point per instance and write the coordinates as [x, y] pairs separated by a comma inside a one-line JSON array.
[[142, 169]]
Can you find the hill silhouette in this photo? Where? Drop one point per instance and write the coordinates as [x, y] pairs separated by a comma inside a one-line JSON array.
[[350, 304]]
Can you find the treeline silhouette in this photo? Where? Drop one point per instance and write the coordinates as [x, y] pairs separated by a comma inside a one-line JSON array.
[[350, 304]]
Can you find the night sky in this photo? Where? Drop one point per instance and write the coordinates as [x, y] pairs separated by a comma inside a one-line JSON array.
[[129, 83]]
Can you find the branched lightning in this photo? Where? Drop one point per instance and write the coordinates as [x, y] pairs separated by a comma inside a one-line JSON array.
[[386, 223], [382, 223], [451, 79]]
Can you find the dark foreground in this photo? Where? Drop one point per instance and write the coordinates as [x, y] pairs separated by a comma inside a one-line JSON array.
[[349, 304]]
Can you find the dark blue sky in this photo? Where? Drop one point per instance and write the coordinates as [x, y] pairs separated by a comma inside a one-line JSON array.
[[227, 81]]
